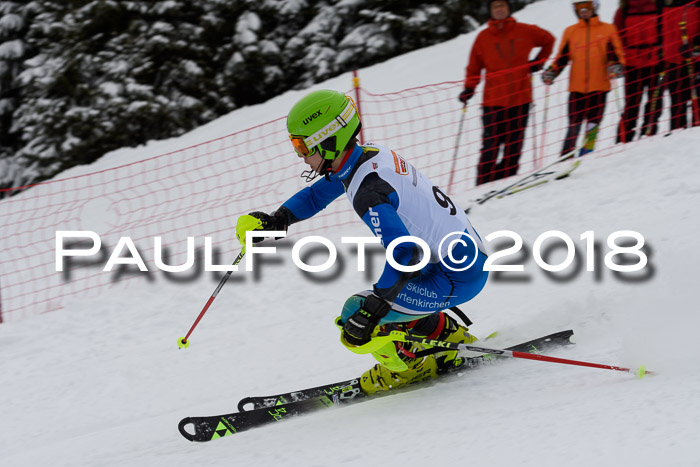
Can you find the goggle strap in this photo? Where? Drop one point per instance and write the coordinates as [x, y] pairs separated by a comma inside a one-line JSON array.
[[342, 119]]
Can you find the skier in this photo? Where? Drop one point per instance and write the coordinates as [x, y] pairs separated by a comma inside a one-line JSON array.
[[503, 50], [394, 200], [638, 22], [596, 55]]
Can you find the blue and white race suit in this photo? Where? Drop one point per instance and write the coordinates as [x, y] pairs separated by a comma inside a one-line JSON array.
[[396, 200]]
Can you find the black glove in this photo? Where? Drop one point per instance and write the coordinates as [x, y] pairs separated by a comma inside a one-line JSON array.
[[548, 76], [465, 95], [275, 221], [616, 70], [535, 66], [357, 330]]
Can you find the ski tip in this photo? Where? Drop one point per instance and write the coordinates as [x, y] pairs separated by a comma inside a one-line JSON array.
[[492, 335], [182, 343]]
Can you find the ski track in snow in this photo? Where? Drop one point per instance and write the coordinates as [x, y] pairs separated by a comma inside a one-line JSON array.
[[103, 383]]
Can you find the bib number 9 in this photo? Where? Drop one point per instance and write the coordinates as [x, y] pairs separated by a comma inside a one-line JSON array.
[[444, 200]]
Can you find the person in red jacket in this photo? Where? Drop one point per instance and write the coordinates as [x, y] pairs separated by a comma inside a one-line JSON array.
[[639, 24], [596, 55], [681, 18], [503, 50]]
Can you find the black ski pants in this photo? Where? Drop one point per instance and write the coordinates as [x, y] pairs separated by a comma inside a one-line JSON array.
[[637, 81], [502, 126], [678, 83], [588, 106]]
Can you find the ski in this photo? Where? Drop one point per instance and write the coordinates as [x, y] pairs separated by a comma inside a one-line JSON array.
[[545, 177], [272, 409], [214, 427], [328, 390], [530, 179], [543, 343]]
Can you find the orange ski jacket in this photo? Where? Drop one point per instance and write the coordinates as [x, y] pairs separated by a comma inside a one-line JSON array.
[[590, 46], [504, 53]]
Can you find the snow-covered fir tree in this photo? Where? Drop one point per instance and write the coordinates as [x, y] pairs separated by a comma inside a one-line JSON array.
[[110, 74], [84, 77], [14, 22]]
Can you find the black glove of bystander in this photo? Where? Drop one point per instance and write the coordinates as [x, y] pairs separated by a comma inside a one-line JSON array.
[[616, 70], [535, 66], [548, 76], [465, 95], [357, 330]]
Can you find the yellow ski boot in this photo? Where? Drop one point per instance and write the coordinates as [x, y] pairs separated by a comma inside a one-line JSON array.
[[405, 363], [406, 368]]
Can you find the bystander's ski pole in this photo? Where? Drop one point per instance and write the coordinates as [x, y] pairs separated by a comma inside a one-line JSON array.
[[655, 98], [381, 339], [544, 127], [183, 342], [454, 156], [695, 105], [620, 110], [534, 131]]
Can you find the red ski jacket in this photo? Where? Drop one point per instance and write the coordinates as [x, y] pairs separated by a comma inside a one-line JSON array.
[[639, 26], [671, 34], [503, 50]]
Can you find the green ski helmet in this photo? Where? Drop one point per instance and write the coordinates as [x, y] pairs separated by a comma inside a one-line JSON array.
[[323, 121]]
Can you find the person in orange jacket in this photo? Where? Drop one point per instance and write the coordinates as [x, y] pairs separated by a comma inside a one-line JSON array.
[[503, 50], [596, 55]]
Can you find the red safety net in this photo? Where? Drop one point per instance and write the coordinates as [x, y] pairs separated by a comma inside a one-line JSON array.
[[199, 191]]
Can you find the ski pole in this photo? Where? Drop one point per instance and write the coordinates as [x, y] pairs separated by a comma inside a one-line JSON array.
[[544, 126], [183, 342], [622, 127], [655, 98], [454, 156], [381, 339], [689, 64], [534, 131], [640, 372], [616, 91]]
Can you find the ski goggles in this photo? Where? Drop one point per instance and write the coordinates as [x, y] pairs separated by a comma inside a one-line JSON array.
[[305, 146], [584, 6]]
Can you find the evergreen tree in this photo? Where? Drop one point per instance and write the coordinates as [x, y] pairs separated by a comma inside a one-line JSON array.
[[14, 22], [80, 78], [112, 74]]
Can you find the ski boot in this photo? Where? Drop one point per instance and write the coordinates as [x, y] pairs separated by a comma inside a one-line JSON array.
[[590, 139], [403, 363], [442, 327]]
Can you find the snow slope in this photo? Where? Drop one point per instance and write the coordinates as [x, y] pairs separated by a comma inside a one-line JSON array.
[[103, 383]]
